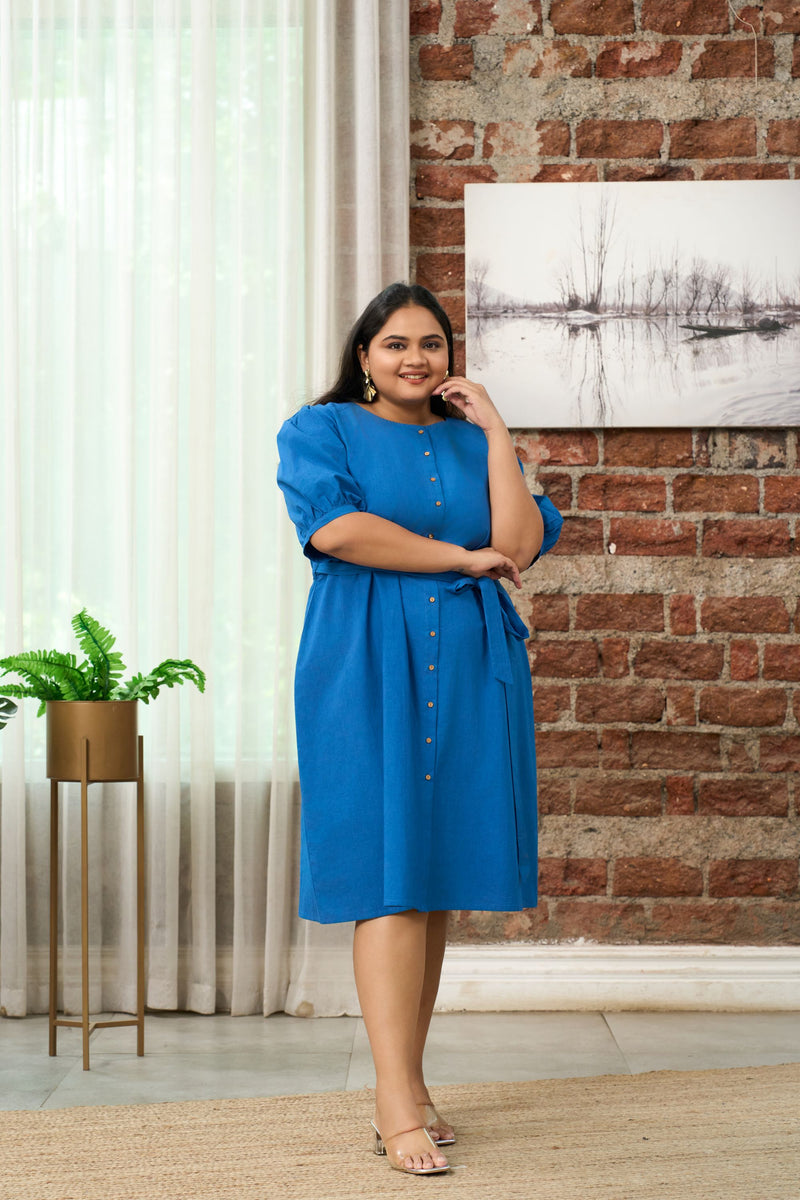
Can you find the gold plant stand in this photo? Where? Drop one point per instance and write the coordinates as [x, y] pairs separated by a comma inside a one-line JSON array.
[[93, 742]]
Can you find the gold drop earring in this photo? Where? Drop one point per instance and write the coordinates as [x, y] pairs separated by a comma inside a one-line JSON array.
[[370, 391]]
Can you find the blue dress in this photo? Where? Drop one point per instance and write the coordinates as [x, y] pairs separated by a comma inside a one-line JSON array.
[[412, 691]]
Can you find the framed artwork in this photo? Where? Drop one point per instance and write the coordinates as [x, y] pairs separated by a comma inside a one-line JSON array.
[[635, 304]]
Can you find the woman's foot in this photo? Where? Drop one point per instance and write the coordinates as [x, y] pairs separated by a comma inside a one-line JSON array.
[[442, 1133], [408, 1145]]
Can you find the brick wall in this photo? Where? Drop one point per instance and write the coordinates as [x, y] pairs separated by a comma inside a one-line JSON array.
[[665, 656]]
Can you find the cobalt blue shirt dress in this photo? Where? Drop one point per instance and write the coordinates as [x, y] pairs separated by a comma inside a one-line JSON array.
[[412, 692]]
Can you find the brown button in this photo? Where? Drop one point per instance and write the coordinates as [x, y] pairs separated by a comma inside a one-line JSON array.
[[429, 740], [431, 667], [427, 452], [430, 704], [427, 776], [432, 599], [438, 504], [420, 431], [433, 633], [430, 535], [433, 479]]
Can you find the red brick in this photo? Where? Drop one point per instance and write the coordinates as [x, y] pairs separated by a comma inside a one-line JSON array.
[[685, 16], [563, 659], [746, 171], [637, 60], [562, 60], [782, 661], [658, 172], [682, 618], [615, 750], [680, 660], [459, 356], [476, 17], [651, 750], [614, 655], [744, 660], [796, 706], [573, 449], [729, 59], [572, 876], [702, 456], [681, 705], [753, 877], [454, 306], [566, 173], [783, 137], [715, 493], [756, 450], [627, 493], [740, 753], [782, 16], [633, 535], [553, 795], [551, 703], [782, 493], [727, 922], [743, 797], [656, 877], [447, 183], [446, 62], [558, 488], [546, 612], [796, 59], [779, 753], [437, 227], [744, 614], [548, 138], [443, 272], [620, 611], [748, 539], [594, 920], [604, 17], [680, 795], [557, 748], [442, 139], [622, 796], [580, 535], [748, 20], [425, 16], [647, 448], [618, 702], [619, 139], [750, 707], [731, 138]]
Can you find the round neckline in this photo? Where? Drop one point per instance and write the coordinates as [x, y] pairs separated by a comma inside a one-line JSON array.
[[389, 421]]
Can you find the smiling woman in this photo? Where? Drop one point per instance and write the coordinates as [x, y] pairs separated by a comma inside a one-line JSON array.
[[411, 514]]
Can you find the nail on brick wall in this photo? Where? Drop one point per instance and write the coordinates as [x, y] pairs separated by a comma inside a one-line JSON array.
[[664, 653]]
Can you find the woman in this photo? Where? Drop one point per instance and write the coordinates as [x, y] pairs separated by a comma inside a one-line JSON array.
[[413, 697]]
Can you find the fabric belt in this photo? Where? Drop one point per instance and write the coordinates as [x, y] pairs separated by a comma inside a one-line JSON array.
[[499, 615]]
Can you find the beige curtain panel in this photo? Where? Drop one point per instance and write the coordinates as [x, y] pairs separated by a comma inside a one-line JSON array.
[[196, 199]]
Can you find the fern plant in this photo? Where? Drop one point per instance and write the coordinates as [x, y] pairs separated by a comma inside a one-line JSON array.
[[53, 675]]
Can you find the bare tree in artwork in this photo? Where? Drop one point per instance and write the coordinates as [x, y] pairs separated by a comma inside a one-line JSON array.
[[476, 285]]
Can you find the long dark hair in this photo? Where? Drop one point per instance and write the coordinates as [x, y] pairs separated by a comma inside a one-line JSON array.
[[349, 384]]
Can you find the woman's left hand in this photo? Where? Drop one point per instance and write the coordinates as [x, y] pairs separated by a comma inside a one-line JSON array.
[[473, 400]]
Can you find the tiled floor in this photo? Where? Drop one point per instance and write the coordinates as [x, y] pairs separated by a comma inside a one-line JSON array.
[[195, 1057]]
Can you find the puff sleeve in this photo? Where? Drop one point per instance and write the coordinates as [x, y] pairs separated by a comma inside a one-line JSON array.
[[552, 521], [313, 474]]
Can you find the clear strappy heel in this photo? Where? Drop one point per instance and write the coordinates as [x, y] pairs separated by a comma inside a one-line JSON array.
[[396, 1156]]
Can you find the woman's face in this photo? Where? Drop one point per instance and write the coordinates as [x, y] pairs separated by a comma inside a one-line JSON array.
[[408, 357]]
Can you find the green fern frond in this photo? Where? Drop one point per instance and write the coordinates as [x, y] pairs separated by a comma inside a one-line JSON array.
[[53, 666], [7, 710], [96, 643], [167, 674]]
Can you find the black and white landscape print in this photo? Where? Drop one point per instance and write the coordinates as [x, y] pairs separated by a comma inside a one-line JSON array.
[[635, 304]]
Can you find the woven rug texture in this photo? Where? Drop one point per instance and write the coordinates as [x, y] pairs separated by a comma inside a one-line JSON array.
[[666, 1135]]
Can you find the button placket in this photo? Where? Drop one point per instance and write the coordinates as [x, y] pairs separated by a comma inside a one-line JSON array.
[[430, 681], [431, 478]]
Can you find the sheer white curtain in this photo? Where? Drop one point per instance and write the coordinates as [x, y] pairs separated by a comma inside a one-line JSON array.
[[196, 198]]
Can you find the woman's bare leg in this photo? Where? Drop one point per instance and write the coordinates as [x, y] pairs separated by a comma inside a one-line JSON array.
[[436, 939], [390, 957]]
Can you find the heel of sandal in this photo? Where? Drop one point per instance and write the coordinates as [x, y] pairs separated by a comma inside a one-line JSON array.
[[379, 1147]]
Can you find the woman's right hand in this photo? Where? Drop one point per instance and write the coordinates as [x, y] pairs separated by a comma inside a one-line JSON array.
[[491, 563]]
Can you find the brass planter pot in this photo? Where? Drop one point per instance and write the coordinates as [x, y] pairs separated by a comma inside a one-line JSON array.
[[110, 727]]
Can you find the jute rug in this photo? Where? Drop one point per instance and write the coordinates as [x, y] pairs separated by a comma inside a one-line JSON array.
[[705, 1135]]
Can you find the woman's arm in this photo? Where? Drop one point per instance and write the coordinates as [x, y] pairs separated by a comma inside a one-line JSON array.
[[375, 542], [517, 528]]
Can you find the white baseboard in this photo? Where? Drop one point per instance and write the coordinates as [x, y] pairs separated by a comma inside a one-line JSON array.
[[527, 978]]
